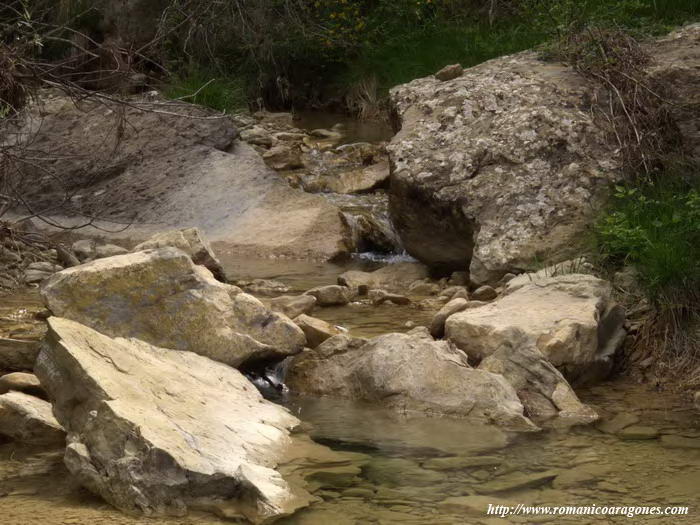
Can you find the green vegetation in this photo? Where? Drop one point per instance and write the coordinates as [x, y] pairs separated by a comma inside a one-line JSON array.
[[306, 52], [197, 87], [655, 227]]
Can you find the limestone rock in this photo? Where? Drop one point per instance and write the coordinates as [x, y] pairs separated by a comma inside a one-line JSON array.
[[315, 330], [29, 419], [542, 389], [449, 72], [478, 180], [21, 382], [331, 295], [356, 180], [410, 372], [293, 306], [193, 243], [379, 297], [18, 354], [84, 249], [571, 319], [155, 431], [484, 293], [283, 157], [109, 250], [437, 326], [162, 297], [177, 168], [393, 277]]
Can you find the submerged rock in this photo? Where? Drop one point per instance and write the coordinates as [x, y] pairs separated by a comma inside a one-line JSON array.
[[293, 306], [393, 277], [409, 372], [29, 419], [156, 431], [571, 319], [162, 297], [193, 243], [332, 295]]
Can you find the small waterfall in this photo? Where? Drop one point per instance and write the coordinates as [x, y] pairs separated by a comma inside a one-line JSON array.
[[270, 380]]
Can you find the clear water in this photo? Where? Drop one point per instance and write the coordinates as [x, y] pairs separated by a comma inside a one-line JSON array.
[[393, 473]]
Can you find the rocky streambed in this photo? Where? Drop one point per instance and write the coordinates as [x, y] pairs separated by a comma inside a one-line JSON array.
[[367, 463]]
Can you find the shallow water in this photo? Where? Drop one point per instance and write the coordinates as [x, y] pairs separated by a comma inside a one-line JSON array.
[[353, 130], [406, 469]]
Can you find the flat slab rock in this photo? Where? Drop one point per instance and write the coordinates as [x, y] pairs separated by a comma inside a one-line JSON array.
[[161, 297], [155, 431]]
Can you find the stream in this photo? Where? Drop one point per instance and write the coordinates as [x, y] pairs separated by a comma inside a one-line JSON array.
[[415, 470]]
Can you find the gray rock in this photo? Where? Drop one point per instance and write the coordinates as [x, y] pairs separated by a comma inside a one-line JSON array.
[[84, 249], [18, 354], [193, 243], [449, 72], [315, 330], [477, 158], [424, 288], [162, 297], [28, 419], [42, 266], [409, 372], [109, 250], [382, 296], [572, 320], [36, 276], [21, 382], [484, 293], [331, 295], [437, 326], [293, 306], [257, 135], [393, 277], [156, 431], [542, 389]]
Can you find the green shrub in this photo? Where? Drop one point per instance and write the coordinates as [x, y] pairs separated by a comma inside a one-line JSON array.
[[655, 227], [224, 94]]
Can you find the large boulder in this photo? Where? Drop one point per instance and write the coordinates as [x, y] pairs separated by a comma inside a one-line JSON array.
[[156, 431], [163, 298], [29, 419], [498, 167], [504, 164], [542, 389], [409, 372], [571, 319], [192, 242], [171, 165]]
